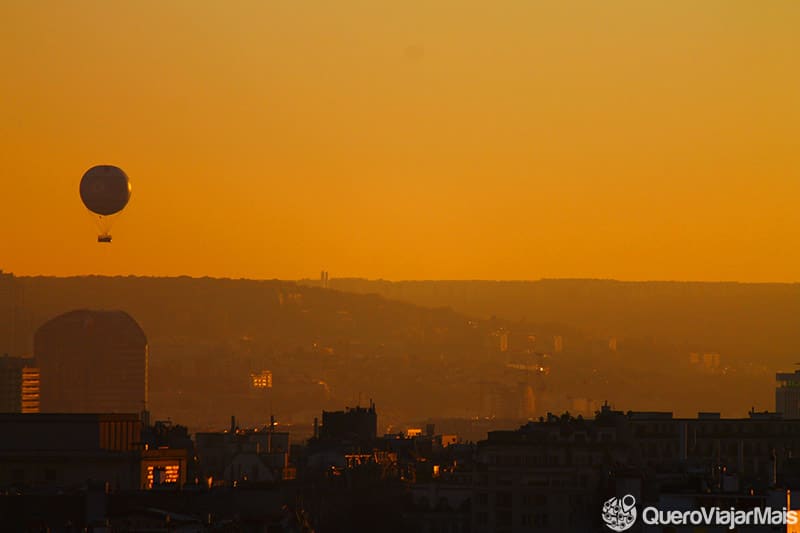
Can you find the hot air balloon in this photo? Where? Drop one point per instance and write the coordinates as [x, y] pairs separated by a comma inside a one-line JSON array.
[[105, 191]]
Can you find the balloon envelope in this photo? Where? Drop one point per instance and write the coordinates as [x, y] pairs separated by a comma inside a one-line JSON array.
[[105, 189]]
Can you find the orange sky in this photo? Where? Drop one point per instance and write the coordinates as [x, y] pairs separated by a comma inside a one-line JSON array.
[[403, 140]]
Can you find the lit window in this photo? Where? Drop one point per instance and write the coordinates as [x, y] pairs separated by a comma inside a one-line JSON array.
[[261, 380], [162, 474]]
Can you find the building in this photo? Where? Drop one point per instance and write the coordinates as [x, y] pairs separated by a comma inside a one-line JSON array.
[[553, 475], [8, 313], [162, 467], [92, 361], [64, 450], [545, 476], [261, 380], [31, 383], [787, 394], [19, 385], [352, 424], [239, 455], [169, 455]]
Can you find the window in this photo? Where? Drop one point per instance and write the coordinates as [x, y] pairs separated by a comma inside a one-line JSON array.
[[503, 499], [577, 500], [162, 474], [533, 500], [541, 520], [503, 518]]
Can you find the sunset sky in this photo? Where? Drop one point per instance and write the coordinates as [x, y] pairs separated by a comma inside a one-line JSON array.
[[405, 139]]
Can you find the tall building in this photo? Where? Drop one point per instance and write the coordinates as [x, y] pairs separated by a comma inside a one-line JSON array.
[[787, 394], [31, 384], [19, 385], [92, 361], [8, 303]]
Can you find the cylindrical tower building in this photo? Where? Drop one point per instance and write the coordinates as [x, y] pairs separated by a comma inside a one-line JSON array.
[[92, 362]]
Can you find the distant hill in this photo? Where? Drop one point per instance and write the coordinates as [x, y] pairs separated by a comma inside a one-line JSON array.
[[742, 320], [439, 348], [217, 310], [325, 348]]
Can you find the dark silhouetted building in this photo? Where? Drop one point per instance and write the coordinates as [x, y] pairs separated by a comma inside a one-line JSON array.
[[64, 450], [19, 385], [92, 361], [553, 475], [354, 423], [244, 455], [787, 394], [8, 303], [69, 449]]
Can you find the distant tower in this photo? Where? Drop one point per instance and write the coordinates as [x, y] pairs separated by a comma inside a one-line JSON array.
[[787, 394], [323, 279], [92, 362]]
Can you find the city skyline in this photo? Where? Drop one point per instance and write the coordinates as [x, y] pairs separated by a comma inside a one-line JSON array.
[[450, 266]]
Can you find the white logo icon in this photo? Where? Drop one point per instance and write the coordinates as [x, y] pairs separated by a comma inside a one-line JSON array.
[[619, 514]]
